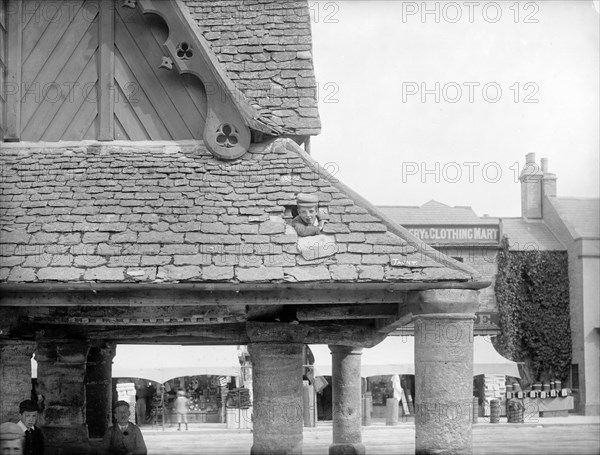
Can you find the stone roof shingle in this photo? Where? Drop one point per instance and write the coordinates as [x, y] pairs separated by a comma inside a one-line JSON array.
[[165, 212], [265, 47]]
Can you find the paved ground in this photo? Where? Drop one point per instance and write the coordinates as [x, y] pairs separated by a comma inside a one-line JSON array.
[[555, 436]]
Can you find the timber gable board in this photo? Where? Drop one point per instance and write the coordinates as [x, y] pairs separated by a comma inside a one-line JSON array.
[[91, 70]]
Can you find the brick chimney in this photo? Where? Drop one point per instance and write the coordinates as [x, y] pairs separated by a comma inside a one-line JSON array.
[[531, 188], [548, 180], [536, 184]]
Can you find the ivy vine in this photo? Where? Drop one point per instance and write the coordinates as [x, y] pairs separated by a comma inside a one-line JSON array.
[[532, 291]]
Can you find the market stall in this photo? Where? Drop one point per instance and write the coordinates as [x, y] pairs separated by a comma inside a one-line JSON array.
[[204, 373], [396, 355]]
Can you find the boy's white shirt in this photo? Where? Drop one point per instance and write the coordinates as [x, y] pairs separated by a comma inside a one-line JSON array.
[[23, 427]]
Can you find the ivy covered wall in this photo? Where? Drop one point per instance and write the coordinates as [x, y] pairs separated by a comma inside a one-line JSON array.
[[532, 293]]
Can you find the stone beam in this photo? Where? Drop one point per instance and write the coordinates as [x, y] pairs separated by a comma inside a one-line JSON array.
[[337, 312], [136, 294]]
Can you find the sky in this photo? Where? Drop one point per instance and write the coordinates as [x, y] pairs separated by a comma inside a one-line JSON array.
[[443, 100]]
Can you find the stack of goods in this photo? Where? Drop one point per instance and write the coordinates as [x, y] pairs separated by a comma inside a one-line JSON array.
[[239, 398], [494, 389]]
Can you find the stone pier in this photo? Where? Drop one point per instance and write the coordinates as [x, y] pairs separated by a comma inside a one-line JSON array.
[[15, 376], [347, 404], [61, 374], [276, 353], [98, 388], [444, 372]]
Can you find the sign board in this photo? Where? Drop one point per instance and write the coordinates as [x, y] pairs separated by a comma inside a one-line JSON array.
[[485, 234]]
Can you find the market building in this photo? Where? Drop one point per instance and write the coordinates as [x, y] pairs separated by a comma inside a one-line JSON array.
[[547, 223], [151, 201]]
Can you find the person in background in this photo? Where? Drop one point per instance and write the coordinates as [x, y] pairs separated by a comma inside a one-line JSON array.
[[123, 438], [181, 407], [11, 439], [34, 437]]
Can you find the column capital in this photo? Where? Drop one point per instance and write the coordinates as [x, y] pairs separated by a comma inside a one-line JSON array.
[[445, 301], [341, 349], [264, 332]]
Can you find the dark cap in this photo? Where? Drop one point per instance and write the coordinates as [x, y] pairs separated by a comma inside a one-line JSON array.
[[28, 406], [307, 199], [120, 403]]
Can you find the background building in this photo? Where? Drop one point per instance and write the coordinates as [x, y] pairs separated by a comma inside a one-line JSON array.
[[547, 223]]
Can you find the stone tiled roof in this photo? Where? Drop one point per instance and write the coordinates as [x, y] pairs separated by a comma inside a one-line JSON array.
[[434, 212], [171, 212], [265, 47], [529, 235]]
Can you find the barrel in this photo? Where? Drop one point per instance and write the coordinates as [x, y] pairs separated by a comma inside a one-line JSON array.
[[537, 386], [557, 384], [494, 411], [546, 387], [514, 411], [516, 387]]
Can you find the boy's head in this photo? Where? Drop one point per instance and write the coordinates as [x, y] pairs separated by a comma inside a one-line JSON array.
[[307, 207], [11, 439], [121, 412], [29, 411]]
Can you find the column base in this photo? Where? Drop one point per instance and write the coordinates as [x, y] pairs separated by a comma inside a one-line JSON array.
[[347, 449], [276, 448]]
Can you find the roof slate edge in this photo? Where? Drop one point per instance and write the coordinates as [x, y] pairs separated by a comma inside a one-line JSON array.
[[573, 231], [393, 227], [248, 113]]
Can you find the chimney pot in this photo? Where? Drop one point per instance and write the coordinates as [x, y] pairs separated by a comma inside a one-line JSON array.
[[530, 158], [544, 165]]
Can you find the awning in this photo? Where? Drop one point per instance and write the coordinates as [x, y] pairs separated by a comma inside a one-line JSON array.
[[160, 363], [396, 355]]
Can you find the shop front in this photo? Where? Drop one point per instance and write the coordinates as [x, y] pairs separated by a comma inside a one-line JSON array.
[[388, 371]]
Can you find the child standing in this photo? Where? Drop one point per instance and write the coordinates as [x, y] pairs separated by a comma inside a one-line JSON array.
[[181, 407], [34, 438]]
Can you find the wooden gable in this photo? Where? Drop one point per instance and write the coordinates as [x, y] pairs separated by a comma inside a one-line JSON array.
[[91, 70]]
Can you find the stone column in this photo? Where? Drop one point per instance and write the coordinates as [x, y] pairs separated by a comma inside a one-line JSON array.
[[444, 371], [347, 404], [15, 376], [98, 388], [276, 355], [61, 377]]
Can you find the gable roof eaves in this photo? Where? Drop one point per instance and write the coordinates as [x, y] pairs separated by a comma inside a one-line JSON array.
[[392, 227]]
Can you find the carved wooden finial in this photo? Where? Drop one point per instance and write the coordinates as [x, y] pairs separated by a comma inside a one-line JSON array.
[[129, 4], [166, 63]]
